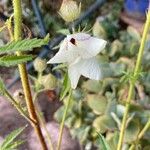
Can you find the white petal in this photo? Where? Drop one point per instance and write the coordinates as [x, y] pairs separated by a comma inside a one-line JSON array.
[[63, 45], [78, 36], [67, 53], [74, 75], [92, 45], [60, 57], [90, 68]]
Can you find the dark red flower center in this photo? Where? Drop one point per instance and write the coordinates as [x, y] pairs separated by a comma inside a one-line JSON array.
[[73, 41]]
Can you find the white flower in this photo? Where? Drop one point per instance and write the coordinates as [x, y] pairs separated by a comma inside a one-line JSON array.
[[79, 52]]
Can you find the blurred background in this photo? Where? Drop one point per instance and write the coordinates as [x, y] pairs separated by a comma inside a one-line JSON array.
[[96, 106]]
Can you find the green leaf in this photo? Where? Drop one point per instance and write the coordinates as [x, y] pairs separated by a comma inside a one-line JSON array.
[[64, 31], [112, 139], [2, 87], [133, 32], [12, 60], [59, 67], [132, 131], [14, 145], [23, 45], [103, 143], [92, 86], [104, 123], [66, 87], [97, 103], [58, 115], [8, 143]]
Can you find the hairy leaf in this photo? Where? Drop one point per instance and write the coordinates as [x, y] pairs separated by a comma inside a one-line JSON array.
[[12, 60], [14, 145], [9, 143], [23, 45]]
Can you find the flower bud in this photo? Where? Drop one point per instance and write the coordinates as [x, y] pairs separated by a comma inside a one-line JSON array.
[[39, 64], [48, 81], [70, 10], [98, 30]]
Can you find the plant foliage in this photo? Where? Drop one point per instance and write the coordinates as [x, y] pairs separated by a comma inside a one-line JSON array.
[[9, 143]]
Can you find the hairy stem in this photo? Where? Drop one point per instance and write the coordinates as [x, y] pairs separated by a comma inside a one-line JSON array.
[[141, 134], [63, 120], [23, 74], [132, 83]]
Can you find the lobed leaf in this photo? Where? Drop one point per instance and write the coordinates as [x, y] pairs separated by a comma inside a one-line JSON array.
[[12, 60], [23, 45]]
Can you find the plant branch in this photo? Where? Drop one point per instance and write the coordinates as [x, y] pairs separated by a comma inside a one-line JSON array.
[[132, 82], [63, 120], [141, 134], [23, 74], [18, 107]]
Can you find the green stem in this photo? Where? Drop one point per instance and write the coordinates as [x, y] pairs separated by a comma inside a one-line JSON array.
[[136, 73], [63, 120], [141, 134], [17, 106], [23, 74]]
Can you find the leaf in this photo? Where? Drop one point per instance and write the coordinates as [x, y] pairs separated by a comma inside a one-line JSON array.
[[112, 139], [8, 142], [82, 133], [103, 143], [23, 45], [104, 123], [2, 87], [12, 60], [92, 86], [66, 87], [97, 103], [59, 67], [14, 145], [132, 131], [134, 33], [64, 31]]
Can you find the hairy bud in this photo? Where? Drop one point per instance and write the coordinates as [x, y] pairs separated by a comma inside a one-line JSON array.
[[70, 10], [39, 64], [49, 81]]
